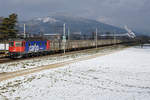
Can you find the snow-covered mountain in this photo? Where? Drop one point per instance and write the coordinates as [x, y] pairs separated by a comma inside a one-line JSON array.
[[54, 24], [46, 20]]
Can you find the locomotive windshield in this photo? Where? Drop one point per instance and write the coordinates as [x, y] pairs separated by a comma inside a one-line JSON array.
[[18, 44]]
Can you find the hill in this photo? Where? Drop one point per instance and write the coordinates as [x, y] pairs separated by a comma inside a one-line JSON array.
[[54, 24]]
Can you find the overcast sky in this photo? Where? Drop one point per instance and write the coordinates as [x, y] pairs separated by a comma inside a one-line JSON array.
[[134, 13]]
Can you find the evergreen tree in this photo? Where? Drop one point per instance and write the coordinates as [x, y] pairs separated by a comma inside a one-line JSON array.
[[12, 25], [8, 27]]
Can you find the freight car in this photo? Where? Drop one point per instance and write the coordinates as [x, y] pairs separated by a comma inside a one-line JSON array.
[[25, 48], [4, 48]]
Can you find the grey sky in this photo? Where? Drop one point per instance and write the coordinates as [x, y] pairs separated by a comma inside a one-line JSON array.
[[134, 13]]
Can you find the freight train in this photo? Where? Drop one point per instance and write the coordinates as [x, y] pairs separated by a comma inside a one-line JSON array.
[[34, 47]]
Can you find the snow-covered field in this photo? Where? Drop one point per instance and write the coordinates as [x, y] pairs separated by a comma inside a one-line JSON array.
[[124, 75], [25, 64]]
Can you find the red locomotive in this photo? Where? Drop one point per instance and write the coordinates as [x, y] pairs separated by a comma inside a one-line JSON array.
[[20, 48]]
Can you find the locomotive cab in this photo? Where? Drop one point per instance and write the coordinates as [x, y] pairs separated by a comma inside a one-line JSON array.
[[16, 48]]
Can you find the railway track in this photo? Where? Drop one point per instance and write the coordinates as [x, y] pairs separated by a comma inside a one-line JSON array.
[[9, 75], [4, 60], [8, 60]]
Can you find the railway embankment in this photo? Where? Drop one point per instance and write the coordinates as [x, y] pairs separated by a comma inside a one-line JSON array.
[[19, 68]]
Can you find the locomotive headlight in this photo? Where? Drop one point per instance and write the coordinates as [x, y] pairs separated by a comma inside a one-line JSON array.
[[13, 49]]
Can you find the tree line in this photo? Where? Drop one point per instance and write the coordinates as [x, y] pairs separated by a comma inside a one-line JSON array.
[[8, 27]]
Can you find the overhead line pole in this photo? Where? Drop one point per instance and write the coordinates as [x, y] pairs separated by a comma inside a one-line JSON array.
[[64, 37], [114, 37], [96, 37], [68, 34], [24, 30]]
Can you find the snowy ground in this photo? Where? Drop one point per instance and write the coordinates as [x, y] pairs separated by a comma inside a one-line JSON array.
[[20, 65], [123, 75]]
